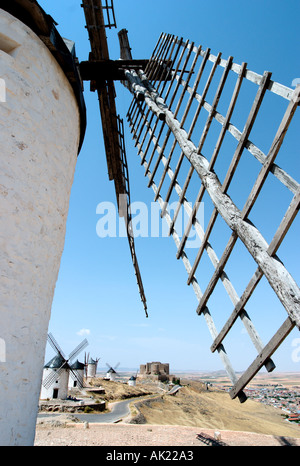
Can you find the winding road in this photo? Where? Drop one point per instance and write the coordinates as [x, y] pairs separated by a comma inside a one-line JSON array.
[[119, 410]]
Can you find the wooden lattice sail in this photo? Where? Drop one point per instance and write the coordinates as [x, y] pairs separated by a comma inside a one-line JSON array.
[[177, 94], [158, 131], [102, 72]]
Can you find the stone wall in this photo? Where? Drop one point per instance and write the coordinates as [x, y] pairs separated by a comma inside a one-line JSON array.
[[40, 126]]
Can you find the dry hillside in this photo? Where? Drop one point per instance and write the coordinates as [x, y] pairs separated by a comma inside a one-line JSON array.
[[175, 420], [192, 406], [117, 391]]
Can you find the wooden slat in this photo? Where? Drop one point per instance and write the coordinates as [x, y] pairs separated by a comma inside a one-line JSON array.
[[167, 93], [209, 321], [285, 178], [192, 95], [264, 255], [172, 99], [157, 47], [202, 99], [247, 129], [185, 114], [275, 147], [217, 149], [201, 143], [281, 281], [229, 288], [172, 64], [280, 174], [227, 284], [276, 88], [175, 114], [234, 162], [233, 295], [161, 53], [161, 56], [265, 354], [272, 249]]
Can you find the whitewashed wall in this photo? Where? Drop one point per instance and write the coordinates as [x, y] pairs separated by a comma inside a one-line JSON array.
[[39, 134], [72, 380], [60, 383], [91, 370]]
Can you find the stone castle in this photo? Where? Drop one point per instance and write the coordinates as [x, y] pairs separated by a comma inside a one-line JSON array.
[[156, 370]]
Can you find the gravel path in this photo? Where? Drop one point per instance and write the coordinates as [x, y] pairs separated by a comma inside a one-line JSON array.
[[149, 435]]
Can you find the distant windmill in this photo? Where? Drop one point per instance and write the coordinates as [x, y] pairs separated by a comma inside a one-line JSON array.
[[79, 367], [90, 365], [132, 380], [58, 369], [111, 373]]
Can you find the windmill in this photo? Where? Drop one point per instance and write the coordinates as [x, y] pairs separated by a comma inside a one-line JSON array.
[[111, 374], [58, 370], [90, 366], [132, 380], [178, 156]]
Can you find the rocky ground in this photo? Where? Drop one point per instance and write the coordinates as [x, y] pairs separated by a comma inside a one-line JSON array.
[[192, 417], [151, 435]]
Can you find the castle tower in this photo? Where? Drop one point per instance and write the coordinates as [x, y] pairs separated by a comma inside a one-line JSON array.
[[42, 124]]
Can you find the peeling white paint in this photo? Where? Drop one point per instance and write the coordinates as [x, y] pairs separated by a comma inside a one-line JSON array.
[[39, 125]]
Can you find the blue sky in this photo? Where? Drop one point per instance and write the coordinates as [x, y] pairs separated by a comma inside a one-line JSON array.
[[96, 294]]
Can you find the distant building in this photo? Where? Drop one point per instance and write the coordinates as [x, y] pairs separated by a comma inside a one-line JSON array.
[[78, 368], [132, 381], [58, 388], [156, 370], [91, 368]]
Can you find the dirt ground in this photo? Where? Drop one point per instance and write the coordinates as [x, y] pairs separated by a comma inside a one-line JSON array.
[[151, 435], [190, 418]]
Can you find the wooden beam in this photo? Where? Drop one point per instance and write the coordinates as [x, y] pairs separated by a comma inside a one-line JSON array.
[[265, 354], [201, 143], [209, 321], [233, 165], [273, 247], [175, 113], [277, 142], [280, 280], [226, 282], [276, 88]]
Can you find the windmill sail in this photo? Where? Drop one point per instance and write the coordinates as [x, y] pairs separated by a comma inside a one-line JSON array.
[[180, 72], [192, 162], [112, 125], [59, 363]]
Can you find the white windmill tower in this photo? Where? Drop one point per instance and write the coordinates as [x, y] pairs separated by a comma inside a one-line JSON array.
[[42, 129], [111, 374], [78, 368], [57, 371], [132, 380], [90, 366]]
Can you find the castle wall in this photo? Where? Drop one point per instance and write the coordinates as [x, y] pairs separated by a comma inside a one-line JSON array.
[[40, 126], [156, 370]]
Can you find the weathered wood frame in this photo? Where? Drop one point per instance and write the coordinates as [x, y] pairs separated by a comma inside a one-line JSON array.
[[148, 115], [112, 125]]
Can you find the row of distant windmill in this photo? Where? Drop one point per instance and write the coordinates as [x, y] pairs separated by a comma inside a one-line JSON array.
[[61, 374]]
